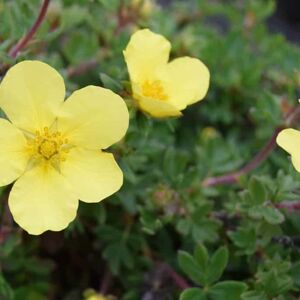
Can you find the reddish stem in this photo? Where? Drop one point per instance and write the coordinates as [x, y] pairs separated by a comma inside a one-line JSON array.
[[106, 281], [24, 41], [292, 206], [82, 68], [233, 177], [178, 280]]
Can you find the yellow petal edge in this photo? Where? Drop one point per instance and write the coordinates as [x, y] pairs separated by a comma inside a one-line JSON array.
[[289, 140]]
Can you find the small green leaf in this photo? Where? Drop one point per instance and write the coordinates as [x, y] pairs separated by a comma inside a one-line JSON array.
[[6, 292], [110, 83], [255, 212], [230, 290], [11, 243], [193, 294], [277, 285], [244, 238], [205, 229], [254, 295], [150, 221], [257, 190], [272, 215], [184, 226], [201, 256], [118, 254], [295, 272], [189, 266], [217, 265], [79, 46], [73, 16]]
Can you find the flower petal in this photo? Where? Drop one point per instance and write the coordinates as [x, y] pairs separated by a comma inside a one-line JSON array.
[[186, 80], [94, 118], [42, 200], [296, 162], [93, 174], [145, 52], [289, 140], [158, 108], [30, 94], [13, 157]]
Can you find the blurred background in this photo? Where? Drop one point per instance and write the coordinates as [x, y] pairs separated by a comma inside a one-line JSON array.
[[126, 247]]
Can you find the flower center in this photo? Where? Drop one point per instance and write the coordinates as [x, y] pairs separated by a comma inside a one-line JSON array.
[[48, 145], [154, 89], [48, 148]]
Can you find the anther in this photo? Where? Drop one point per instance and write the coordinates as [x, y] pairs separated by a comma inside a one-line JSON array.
[[48, 145]]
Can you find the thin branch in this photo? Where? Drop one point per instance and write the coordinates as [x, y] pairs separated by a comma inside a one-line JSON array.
[[233, 177], [25, 40], [121, 17], [289, 205], [178, 280], [82, 68], [126, 16], [106, 282]]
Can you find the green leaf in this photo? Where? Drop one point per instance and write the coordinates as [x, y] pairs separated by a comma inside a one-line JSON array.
[[189, 266], [11, 242], [193, 294], [80, 46], [184, 226], [254, 295], [205, 229], [73, 16], [257, 190], [272, 215], [118, 254], [255, 212], [174, 163], [244, 238], [295, 272], [230, 290], [6, 292], [28, 292], [109, 4], [217, 265], [277, 284], [150, 221], [110, 83], [201, 257]]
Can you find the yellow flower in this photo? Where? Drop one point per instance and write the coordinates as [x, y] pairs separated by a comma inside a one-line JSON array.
[[289, 140], [160, 88], [53, 149]]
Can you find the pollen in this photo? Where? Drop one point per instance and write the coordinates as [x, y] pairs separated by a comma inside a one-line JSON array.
[[48, 148], [154, 90], [48, 145]]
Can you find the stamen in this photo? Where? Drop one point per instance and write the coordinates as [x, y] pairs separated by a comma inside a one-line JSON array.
[[48, 146], [154, 89]]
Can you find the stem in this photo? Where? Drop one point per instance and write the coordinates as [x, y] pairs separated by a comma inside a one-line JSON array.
[[289, 205], [106, 281], [24, 41], [233, 177], [178, 280], [124, 17], [82, 68]]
